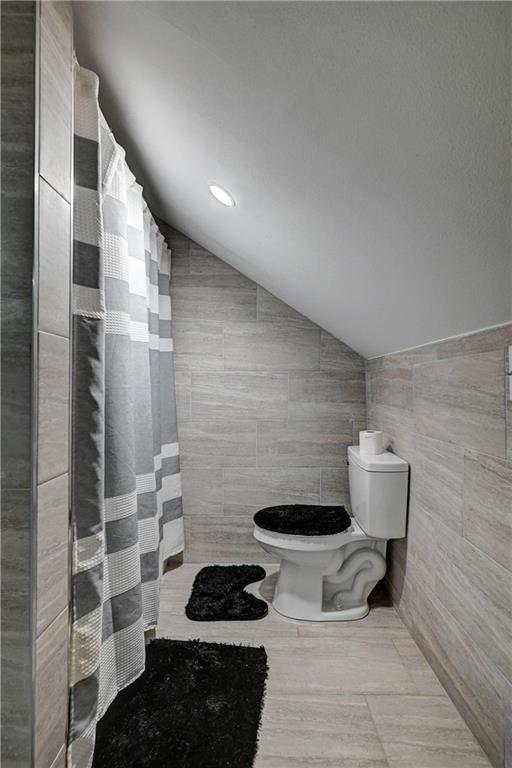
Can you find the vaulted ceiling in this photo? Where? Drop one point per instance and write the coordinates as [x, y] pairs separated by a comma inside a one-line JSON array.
[[367, 146]]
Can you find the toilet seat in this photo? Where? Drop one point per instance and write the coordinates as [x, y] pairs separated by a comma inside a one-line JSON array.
[[311, 543]]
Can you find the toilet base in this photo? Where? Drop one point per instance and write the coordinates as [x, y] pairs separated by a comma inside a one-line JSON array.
[[346, 614], [321, 592]]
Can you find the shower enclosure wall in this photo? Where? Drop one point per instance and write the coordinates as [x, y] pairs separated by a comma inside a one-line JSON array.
[[37, 84]]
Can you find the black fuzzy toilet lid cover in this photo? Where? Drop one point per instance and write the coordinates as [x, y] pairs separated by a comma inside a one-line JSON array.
[[303, 519]]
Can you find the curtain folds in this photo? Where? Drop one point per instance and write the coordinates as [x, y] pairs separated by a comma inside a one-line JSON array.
[[126, 506]]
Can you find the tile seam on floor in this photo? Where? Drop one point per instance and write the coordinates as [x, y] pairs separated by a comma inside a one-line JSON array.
[[376, 730]]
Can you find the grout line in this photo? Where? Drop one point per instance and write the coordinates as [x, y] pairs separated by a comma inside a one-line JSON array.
[[376, 729], [440, 341], [43, 177], [55, 335], [54, 477]]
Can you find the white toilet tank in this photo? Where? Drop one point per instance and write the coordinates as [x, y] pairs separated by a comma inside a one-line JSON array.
[[378, 492]]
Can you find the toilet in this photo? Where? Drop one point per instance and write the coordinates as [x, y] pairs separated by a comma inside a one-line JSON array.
[[328, 577]]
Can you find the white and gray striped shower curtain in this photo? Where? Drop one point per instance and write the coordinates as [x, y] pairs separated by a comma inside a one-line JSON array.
[[126, 490]]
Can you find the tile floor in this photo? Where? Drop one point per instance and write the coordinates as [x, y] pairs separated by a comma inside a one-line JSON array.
[[339, 694]]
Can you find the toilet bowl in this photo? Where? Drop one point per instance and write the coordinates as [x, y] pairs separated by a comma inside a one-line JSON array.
[[329, 577]]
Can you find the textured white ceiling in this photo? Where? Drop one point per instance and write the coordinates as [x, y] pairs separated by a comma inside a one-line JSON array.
[[366, 145]]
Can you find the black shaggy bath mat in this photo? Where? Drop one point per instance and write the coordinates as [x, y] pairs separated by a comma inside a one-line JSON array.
[[218, 594], [303, 519], [197, 705]]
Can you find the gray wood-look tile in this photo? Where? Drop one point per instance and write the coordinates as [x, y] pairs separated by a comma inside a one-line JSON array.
[[202, 262], [182, 389], [222, 540], [16, 435], [180, 628], [17, 213], [225, 277], [346, 665], [424, 732], [264, 487], [201, 301], [17, 193], [202, 491], [508, 402], [437, 474], [326, 394], [53, 416], [273, 310], [477, 592], [395, 422], [483, 341], [318, 730], [176, 586], [455, 596], [54, 261], [16, 554], [418, 667], [420, 544], [337, 356], [60, 760], [233, 395], [240, 510], [301, 409], [327, 386], [16, 309], [382, 623], [355, 630], [400, 588], [414, 356], [269, 346], [473, 683], [17, 231], [180, 260], [319, 676], [309, 443], [207, 443], [487, 515], [391, 382], [56, 96], [508, 724], [460, 400], [334, 485], [16, 691], [51, 696], [52, 550], [198, 345]]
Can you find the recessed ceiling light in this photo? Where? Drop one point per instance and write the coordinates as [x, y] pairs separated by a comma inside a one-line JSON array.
[[222, 195]]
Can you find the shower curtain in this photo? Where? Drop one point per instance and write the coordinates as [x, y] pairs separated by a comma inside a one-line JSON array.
[[126, 507]]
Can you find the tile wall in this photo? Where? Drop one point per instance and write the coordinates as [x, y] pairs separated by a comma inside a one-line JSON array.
[[17, 203], [36, 264], [267, 404], [53, 340], [446, 408]]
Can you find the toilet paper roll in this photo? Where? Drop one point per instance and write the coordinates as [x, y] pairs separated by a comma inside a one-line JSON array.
[[371, 442]]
